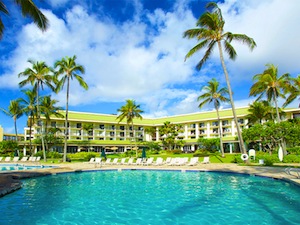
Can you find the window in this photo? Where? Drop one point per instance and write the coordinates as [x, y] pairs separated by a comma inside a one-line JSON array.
[[122, 127], [101, 126], [78, 125], [241, 121], [53, 124], [215, 123], [225, 122], [193, 125], [201, 125]]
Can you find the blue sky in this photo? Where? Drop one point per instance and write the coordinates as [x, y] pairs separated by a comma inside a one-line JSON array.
[[133, 49]]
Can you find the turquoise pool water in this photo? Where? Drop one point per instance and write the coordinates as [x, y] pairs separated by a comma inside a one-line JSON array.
[[13, 167], [152, 197]]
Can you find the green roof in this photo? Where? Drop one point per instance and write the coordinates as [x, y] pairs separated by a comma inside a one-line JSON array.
[[184, 118]]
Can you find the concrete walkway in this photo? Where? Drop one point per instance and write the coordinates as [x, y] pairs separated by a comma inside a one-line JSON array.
[[11, 181]]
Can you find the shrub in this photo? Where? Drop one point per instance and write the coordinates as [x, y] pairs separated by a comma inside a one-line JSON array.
[[291, 158], [86, 156], [176, 151], [294, 150], [269, 160], [237, 159]]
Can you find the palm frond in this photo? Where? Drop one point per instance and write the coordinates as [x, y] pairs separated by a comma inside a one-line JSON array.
[[28, 8]]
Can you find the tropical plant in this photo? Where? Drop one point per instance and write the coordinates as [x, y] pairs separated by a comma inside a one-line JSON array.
[[270, 85], [294, 90], [69, 69], [28, 9], [130, 111], [49, 109], [15, 111], [28, 104], [169, 134], [38, 76], [212, 94], [259, 111], [211, 33]]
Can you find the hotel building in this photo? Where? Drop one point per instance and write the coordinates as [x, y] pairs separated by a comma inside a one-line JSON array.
[[106, 132]]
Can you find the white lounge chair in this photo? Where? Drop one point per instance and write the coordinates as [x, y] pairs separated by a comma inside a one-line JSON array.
[[115, 161], [123, 161], [149, 161], [139, 161], [16, 159], [159, 161], [33, 159], [107, 162], [193, 161], [174, 161], [92, 160], [38, 159], [182, 161], [168, 160], [24, 159], [98, 161], [1, 158], [129, 162], [7, 159], [206, 160]]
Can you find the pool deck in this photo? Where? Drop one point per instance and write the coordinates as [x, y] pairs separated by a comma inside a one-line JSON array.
[[11, 181]]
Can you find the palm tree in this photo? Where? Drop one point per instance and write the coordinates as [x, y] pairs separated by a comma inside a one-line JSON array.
[[69, 69], [130, 111], [29, 9], [49, 109], [270, 85], [212, 94], [294, 91], [38, 76], [28, 105], [258, 111], [210, 33], [15, 111]]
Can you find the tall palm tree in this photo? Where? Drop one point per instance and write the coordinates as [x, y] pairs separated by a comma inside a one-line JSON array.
[[38, 76], [28, 9], [294, 91], [69, 69], [130, 111], [270, 85], [212, 94], [211, 33], [28, 105], [48, 109], [15, 111]]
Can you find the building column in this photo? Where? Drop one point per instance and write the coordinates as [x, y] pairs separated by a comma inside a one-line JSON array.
[[197, 131]]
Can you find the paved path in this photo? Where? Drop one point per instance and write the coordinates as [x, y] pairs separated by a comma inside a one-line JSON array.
[[11, 181]]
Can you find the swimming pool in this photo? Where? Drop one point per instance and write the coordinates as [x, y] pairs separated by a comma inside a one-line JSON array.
[[152, 197], [16, 167]]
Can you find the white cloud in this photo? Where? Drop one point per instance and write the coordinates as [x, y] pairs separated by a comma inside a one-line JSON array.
[[133, 60]]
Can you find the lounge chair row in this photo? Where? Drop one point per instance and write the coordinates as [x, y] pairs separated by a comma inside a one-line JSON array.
[[177, 161], [17, 159]]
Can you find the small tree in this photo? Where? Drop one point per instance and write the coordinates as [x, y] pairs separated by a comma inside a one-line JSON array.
[[169, 135]]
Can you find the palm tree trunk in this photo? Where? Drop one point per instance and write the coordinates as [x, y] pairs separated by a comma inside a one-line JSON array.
[[276, 107], [135, 145], [16, 131], [40, 123], [241, 141], [66, 122], [30, 131], [220, 133]]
